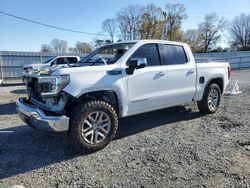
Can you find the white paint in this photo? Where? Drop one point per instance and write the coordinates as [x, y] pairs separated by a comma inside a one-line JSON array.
[[6, 132], [141, 92]]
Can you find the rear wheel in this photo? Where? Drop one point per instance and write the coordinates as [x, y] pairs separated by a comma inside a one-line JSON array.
[[93, 125], [211, 100]]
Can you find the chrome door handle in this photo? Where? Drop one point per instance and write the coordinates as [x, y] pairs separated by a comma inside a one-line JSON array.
[[190, 72], [160, 73]]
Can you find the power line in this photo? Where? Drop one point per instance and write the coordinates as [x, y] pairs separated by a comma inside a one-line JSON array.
[[51, 26]]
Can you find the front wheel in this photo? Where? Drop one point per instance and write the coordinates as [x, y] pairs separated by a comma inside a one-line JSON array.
[[93, 125], [211, 100]]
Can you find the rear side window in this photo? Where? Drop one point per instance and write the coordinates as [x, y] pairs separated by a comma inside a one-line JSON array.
[[72, 60], [150, 52], [172, 54]]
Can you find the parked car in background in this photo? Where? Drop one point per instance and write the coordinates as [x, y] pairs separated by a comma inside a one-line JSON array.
[[54, 61], [116, 81]]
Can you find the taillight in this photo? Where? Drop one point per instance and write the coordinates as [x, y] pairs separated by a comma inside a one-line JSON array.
[[229, 72]]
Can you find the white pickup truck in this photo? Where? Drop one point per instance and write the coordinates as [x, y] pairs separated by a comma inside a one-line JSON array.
[[116, 81], [54, 61]]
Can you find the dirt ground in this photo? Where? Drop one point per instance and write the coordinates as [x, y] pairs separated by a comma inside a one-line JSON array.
[[176, 147]]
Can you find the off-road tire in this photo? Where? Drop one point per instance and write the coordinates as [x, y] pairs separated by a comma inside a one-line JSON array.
[[203, 105], [77, 118]]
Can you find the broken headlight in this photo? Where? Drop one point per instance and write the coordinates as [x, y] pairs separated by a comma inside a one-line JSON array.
[[51, 85]]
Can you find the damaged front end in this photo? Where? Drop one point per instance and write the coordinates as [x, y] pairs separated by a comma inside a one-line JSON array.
[[44, 108], [46, 92]]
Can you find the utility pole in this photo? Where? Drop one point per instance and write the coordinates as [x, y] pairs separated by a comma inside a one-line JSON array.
[[1, 66], [171, 27], [165, 23]]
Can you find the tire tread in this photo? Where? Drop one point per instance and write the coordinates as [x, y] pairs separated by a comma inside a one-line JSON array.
[[77, 117], [203, 105]]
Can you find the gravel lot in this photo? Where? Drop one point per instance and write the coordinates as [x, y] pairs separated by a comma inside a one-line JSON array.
[[176, 147]]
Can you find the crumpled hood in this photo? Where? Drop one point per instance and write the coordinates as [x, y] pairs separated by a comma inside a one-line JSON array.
[[37, 67], [43, 68]]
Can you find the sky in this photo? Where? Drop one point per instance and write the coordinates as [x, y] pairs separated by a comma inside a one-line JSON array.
[[87, 16]]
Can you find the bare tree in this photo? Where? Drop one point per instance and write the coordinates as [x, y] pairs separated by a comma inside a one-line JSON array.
[[83, 47], [72, 50], [174, 15], [152, 24], [240, 30], [45, 48], [128, 19], [59, 45], [109, 26], [210, 30], [194, 39]]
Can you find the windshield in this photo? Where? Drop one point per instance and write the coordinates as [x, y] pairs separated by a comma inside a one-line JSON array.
[[107, 54], [48, 60]]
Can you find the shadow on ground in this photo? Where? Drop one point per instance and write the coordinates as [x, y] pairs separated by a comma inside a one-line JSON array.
[[23, 149], [8, 109], [18, 91], [12, 84], [135, 124]]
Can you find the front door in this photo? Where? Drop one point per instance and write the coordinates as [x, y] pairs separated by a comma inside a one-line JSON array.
[[147, 86]]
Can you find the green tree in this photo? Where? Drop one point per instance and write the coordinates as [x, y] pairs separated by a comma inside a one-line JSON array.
[[151, 24]]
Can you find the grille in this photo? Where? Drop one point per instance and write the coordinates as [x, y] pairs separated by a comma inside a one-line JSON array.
[[33, 91]]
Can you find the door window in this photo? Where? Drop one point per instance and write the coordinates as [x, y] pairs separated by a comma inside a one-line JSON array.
[[72, 60], [173, 54], [61, 60], [150, 52]]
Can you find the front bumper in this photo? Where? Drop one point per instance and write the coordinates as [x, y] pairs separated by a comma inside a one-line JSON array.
[[36, 118]]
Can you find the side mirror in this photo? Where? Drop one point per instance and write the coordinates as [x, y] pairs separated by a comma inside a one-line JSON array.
[[136, 63]]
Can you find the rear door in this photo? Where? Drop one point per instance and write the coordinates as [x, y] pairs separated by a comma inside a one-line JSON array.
[[181, 74]]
